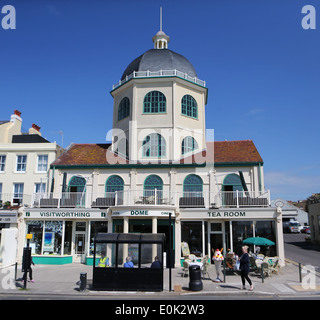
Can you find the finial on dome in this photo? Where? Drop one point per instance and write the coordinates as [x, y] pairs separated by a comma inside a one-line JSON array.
[[161, 40]]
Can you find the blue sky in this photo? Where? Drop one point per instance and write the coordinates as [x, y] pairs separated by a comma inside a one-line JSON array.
[[261, 67]]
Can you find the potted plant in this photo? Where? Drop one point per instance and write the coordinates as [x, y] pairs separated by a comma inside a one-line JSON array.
[[7, 205]]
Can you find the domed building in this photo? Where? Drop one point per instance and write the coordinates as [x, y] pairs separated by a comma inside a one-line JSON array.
[[161, 88], [158, 168]]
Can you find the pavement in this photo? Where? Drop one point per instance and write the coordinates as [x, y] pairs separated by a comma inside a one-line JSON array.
[[64, 280]]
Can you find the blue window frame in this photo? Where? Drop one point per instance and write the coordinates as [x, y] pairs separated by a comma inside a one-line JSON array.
[[124, 108], [114, 183], [152, 183], [189, 144], [189, 106], [154, 145], [192, 186], [154, 102]]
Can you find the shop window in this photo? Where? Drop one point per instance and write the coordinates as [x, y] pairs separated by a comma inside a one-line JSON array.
[[95, 227], [67, 237], [35, 228], [189, 144], [191, 233], [241, 230], [52, 237], [266, 229], [154, 102], [154, 145], [124, 108]]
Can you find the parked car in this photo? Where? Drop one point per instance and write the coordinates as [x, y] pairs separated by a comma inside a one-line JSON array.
[[291, 227], [304, 228]]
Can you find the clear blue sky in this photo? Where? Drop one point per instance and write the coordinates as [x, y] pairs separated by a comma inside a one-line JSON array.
[[262, 70]]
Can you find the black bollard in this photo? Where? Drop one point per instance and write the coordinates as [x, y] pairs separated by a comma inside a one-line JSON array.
[[83, 281]]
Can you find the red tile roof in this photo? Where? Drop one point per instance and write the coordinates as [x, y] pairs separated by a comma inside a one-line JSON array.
[[220, 152], [236, 151]]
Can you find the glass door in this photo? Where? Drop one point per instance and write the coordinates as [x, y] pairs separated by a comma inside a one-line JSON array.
[[80, 242]]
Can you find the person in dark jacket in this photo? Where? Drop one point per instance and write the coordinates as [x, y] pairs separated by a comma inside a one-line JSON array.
[[245, 268], [156, 263]]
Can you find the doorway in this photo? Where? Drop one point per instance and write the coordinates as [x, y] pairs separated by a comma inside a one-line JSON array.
[[216, 234], [79, 255]]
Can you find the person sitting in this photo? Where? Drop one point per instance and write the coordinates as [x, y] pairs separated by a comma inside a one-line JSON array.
[[128, 263], [156, 264], [104, 261]]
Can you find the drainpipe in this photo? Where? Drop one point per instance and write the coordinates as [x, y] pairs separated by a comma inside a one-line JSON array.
[[260, 187]]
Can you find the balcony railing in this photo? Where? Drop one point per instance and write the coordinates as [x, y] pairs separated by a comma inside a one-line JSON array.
[[234, 199], [160, 73], [9, 200]]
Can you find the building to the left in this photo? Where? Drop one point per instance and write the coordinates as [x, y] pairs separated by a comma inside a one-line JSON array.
[[25, 158]]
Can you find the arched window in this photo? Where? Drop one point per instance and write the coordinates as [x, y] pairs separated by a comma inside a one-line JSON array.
[[124, 108], [151, 184], [192, 186], [189, 106], [232, 182], [114, 183], [154, 145], [154, 102], [76, 193], [189, 144], [77, 184]]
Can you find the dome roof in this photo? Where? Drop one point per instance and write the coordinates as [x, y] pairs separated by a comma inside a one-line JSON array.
[[163, 59]]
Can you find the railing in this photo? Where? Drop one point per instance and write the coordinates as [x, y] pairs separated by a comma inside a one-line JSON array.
[[160, 73], [8, 200], [238, 199], [187, 199]]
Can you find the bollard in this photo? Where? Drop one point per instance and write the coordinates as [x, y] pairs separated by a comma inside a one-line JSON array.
[[83, 281], [195, 283], [224, 271], [262, 273], [300, 274]]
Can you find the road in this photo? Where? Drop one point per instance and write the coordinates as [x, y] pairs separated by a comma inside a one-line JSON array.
[[299, 250]]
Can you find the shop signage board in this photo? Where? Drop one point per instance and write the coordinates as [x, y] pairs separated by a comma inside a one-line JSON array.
[[65, 214], [143, 213], [236, 214]]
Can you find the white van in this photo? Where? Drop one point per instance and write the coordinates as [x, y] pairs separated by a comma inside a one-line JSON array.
[[291, 227]]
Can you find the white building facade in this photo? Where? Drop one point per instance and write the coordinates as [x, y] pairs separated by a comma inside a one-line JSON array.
[[25, 159], [159, 167]]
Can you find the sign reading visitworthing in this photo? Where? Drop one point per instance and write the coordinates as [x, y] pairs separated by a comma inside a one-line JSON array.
[[66, 214]]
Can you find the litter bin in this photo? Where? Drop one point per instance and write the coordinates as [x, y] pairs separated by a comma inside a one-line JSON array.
[[83, 281], [195, 283]]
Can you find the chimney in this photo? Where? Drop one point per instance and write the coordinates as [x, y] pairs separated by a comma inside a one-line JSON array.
[[35, 129], [16, 116], [17, 113]]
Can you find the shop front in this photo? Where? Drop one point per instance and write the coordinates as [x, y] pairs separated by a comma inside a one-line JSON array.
[[224, 229], [146, 220], [61, 236]]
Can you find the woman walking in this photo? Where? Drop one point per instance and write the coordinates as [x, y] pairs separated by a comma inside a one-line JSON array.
[[245, 268]]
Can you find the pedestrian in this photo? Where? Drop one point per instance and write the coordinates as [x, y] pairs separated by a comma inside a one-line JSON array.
[[30, 272], [245, 268]]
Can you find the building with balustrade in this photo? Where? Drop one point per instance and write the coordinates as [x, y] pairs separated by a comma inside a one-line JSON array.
[[159, 167]]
